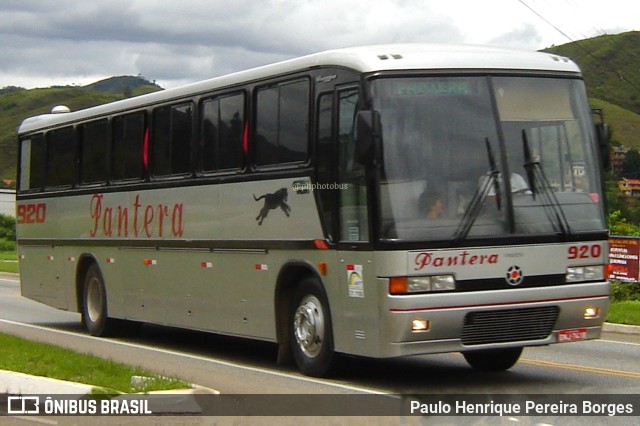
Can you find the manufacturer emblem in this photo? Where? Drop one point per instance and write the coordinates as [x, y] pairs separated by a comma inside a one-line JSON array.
[[514, 275]]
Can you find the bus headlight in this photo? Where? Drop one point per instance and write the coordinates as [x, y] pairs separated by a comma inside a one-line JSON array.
[[443, 283], [585, 273], [414, 285], [418, 284]]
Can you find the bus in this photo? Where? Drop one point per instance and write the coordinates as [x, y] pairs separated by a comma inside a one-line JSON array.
[[378, 201]]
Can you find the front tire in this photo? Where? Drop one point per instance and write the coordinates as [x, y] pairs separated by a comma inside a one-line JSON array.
[[94, 304], [493, 359], [310, 329]]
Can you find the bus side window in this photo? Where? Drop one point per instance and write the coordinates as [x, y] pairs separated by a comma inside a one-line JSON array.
[[222, 133], [282, 123], [171, 146], [32, 162], [325, 160], [94, 152], [61, 158], [354, 224], [128, 146]]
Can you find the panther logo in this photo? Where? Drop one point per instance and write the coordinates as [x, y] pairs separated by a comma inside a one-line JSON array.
[[273, 201]]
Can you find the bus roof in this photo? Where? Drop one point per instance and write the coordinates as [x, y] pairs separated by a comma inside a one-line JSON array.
[[363, 59]]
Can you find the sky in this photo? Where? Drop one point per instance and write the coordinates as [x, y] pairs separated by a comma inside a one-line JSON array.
[[77, 42]]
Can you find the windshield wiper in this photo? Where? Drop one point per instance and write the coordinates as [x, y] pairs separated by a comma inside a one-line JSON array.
[[494, 173], [536, 175], [472, 212]]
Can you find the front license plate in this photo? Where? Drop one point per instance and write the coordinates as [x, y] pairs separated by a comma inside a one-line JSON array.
[[572, 335]]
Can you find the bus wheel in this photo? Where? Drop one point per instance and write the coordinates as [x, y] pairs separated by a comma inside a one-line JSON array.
[[310, 329], [493, 359], [94, 304]]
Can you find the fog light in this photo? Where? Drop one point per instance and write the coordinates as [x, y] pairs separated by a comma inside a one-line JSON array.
[[591, 313], [419, 326]]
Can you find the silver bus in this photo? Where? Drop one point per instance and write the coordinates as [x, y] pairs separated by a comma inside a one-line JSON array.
[[380, 201]]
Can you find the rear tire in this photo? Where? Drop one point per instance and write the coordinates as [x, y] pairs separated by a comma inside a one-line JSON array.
[[310, 329], [493, 359], [95, 315]]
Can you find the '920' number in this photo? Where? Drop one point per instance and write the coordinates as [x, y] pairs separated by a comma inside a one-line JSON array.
[[584, 252], [31, 213]]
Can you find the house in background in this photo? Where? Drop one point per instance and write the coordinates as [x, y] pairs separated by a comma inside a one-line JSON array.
[[617, 159], [8, 202], [630, 187]]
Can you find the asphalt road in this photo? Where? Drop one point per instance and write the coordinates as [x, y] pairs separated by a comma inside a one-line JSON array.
[[238, 366]]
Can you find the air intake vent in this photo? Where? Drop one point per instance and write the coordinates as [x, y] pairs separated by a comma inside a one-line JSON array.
[[391, 56], [60, 109], [515, 325]]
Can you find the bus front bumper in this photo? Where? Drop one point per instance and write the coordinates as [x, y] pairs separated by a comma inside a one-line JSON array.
[[433, 323]]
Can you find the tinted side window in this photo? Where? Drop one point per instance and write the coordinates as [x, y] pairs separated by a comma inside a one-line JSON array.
[[172, 135], [32, 162], [222, 133], [294, 122], [94, 152], [267, 126], [325, 161], [282, 126], [354, 199], [61, 157], [129, 155]]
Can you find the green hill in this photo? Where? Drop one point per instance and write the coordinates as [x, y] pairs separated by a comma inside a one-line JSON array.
[[124, 85], [625, 124], [611, 67], [16, 104]]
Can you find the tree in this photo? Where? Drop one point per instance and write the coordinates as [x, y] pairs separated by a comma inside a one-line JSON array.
[[7, 228], [631, 165], [618, 225]]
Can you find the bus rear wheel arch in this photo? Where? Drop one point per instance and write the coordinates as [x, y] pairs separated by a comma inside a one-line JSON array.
[[95, 314]]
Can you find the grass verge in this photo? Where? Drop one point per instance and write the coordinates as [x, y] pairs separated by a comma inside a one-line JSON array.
[[625, 312], [8, 261], [41, 359]]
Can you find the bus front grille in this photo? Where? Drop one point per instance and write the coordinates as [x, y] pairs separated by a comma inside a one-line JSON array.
[[512, 325]]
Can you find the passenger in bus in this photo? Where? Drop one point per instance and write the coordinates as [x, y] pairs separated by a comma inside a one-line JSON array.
[[430, 201]]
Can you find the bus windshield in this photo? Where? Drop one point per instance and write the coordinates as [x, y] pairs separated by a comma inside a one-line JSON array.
[[478, 157]]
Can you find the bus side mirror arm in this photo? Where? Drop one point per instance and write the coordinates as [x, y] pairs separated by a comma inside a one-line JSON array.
[[368, 132], [603, 142], [604, 135]]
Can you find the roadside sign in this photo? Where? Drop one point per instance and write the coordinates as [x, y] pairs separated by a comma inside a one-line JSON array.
[[624, 258]]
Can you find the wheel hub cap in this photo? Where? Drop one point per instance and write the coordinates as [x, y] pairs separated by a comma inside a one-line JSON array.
[[309, 326]]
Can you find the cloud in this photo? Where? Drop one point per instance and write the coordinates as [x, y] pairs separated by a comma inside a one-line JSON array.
[[517, 37], [175, 42]]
